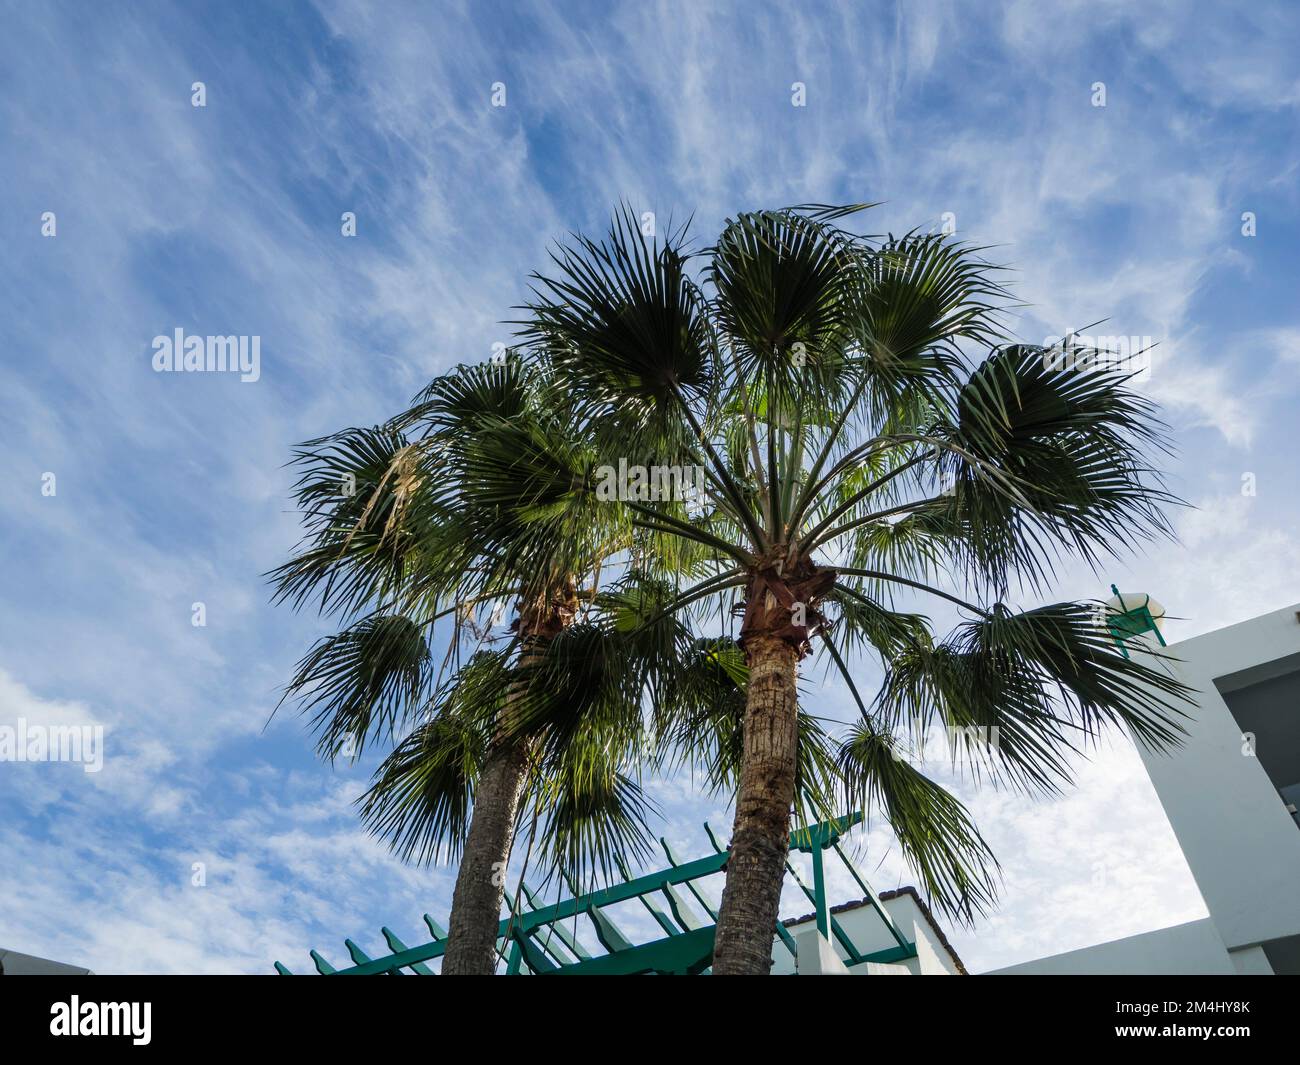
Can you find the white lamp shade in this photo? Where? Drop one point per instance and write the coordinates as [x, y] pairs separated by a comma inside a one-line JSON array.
[[1126, 601]]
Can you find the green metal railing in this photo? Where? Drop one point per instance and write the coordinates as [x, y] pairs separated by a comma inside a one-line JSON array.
[[537, 941]]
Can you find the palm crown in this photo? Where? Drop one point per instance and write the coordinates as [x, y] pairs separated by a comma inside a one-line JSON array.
[[472, 501], [866, 428]]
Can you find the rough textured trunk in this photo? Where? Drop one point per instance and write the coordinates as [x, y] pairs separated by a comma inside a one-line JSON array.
[[759, 838], [781, 617], [480, 883]]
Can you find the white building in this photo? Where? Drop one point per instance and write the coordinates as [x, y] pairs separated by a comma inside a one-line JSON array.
[[861, 922], [12, 963], [1230, 793]]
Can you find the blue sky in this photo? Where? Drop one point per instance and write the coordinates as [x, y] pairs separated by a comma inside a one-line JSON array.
[[225, 219]]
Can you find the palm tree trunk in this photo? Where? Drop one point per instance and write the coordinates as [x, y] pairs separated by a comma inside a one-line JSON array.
[[480, 883], [760, 836]]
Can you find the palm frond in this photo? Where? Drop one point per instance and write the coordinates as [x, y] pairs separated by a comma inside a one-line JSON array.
[[355, 491], [363, 681], [919, 298], [622, 321], [1020, 692], [934, 831], [1073, 443], [421, 797], [595, 818]]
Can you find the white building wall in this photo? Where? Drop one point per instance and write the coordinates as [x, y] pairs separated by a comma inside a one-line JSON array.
[[1241, 844], [868, 932], [1190, 949]]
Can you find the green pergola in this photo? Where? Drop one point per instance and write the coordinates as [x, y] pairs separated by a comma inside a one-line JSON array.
[[537, 941]]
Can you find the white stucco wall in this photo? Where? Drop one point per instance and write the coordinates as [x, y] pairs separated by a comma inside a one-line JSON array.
[[1241, 844], [12, 963], [868, 932], [1193, 949]]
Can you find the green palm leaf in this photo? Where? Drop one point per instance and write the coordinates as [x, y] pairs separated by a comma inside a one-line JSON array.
[[363, 681], [932, 827]]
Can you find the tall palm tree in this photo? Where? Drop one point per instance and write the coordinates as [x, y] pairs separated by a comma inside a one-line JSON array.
[[867, 429], [468, 503]]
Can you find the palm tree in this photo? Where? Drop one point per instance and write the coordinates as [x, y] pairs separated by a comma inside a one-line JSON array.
[[867, 429], [472, 501]]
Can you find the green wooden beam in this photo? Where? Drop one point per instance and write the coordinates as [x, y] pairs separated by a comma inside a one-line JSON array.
[[892, 954], [552, 953], [610, 935], [549, 942], [879, 906], [629, 890], [688, 954], [521, 927], [656, 911], [823, 834], [820, 905], [361, 958], [682, 912], [829, 926], [396, 946], [528, 951], [563, 934], [690, 884]]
